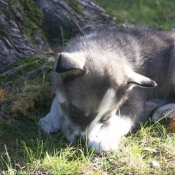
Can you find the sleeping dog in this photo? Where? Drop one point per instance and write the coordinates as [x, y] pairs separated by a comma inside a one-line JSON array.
[[104, 81]]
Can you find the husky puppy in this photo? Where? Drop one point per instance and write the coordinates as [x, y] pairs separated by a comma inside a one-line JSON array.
[[103, 81]]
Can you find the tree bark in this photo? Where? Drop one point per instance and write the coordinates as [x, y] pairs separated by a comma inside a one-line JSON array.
[[62, 20], [14, 44], [69, 17]]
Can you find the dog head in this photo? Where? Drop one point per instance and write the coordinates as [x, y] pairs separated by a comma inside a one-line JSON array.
[[93, 84]]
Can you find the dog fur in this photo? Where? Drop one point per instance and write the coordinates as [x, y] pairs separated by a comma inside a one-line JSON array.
[[104, 81]]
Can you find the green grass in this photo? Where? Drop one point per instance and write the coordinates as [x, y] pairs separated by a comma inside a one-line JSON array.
[[25, 149], [157, 13]]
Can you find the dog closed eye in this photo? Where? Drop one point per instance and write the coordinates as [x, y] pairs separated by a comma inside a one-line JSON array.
[[77, 112]]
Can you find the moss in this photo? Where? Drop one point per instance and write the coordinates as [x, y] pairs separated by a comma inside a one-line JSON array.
[[3, 33], [75, 5], [31, 11], [32, 16]]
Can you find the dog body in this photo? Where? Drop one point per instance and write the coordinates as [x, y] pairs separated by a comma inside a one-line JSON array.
[[103, 80]]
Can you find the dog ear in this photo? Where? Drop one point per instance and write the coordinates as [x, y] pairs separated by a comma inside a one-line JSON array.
[[135, 79], [72, 64]]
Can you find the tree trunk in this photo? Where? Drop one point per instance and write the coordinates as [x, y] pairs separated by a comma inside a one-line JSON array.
[[14, 44], [65, 18], [21, 34]]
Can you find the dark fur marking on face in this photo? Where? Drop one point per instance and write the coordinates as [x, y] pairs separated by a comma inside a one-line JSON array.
[[104, 119], [77, 115], [77, 112]]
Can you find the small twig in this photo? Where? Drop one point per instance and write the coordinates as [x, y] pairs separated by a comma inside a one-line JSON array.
[[34, 73], [12, 72]]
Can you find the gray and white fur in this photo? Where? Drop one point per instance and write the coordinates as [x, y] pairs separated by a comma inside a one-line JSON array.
[[103, 81]]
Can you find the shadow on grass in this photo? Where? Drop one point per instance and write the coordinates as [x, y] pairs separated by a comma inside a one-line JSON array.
[[23, 141], [24, 148], [23, 145]]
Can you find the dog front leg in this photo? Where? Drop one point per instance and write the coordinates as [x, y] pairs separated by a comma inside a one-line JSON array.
[[105, 135], [52, 121]]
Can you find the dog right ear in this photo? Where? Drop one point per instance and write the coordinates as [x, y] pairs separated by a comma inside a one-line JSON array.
[[135, 79], [71, 65]]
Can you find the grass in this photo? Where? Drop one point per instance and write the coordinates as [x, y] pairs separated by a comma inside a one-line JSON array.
[[25, 149], [157, 13]]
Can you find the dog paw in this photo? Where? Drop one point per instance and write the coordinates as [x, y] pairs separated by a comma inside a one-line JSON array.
[[52, 121], [153, 104], [167, 111], [49, 125]]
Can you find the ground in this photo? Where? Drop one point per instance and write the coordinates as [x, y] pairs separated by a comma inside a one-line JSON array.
[[24, 148]]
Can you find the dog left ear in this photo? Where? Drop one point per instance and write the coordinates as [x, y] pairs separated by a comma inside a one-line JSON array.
[[72, 64], [135, 79]]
